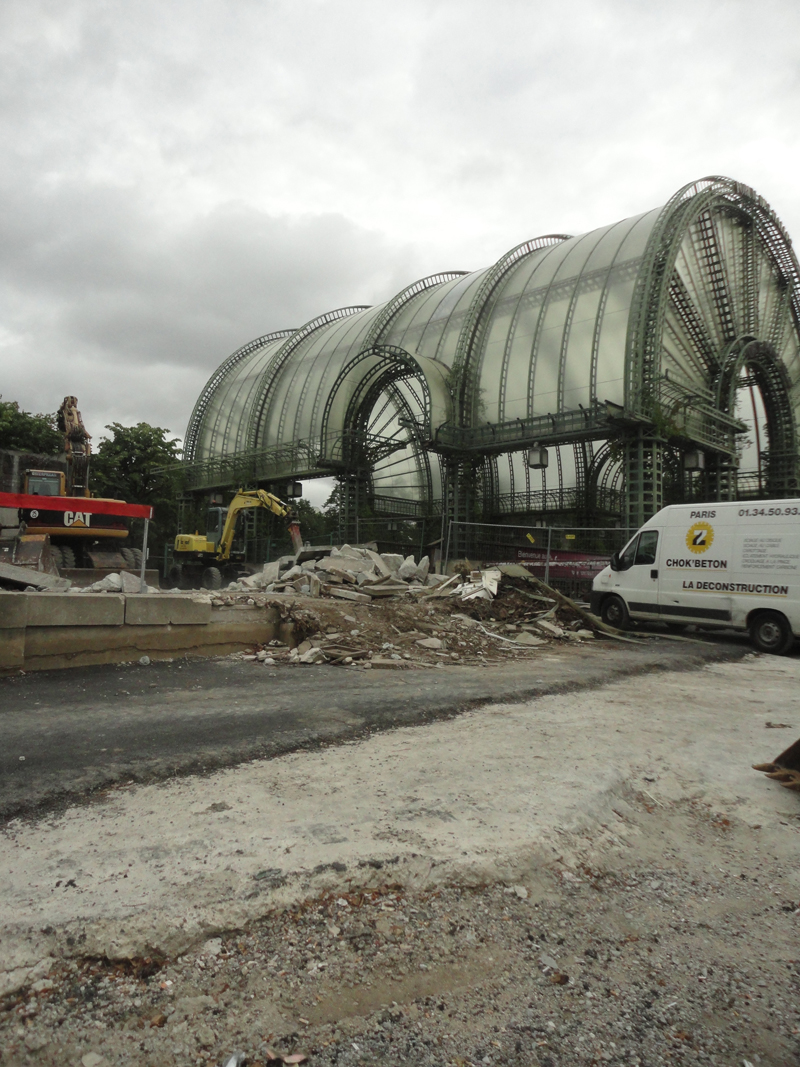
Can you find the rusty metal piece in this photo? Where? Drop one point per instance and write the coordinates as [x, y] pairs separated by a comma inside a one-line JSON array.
[[784, 768]]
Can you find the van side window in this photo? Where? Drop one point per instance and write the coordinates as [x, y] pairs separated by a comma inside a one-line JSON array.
[[646, 552], [628, 555]]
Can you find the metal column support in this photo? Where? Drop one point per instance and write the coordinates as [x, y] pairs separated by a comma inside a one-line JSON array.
[[721, 473], [459, 505], [353, 490], [643, 460]]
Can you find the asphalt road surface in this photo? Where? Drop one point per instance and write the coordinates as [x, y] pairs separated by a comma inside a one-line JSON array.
[[65, 734]]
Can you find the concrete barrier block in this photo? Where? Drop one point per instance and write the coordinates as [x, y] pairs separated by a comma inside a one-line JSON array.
[[12, 647], [99, 609], [13, 610], [160, 610]]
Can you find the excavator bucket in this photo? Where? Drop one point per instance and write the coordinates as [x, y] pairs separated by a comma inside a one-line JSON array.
[[784, 768], [296, 536]]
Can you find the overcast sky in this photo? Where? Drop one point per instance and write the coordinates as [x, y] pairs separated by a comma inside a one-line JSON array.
[[181, 176]]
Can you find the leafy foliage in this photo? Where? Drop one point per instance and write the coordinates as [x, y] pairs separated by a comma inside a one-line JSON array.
[[315, 526], [28, 433], [130, 465]]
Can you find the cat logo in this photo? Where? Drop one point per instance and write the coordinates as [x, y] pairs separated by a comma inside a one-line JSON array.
[[700, 538], [76, 518]]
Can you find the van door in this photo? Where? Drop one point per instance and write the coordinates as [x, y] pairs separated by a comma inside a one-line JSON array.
[[698, 568], [637, 576]]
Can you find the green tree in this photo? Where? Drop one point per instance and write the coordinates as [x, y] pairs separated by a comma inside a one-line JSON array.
[[28, 433], [315, 526], [133, 465]]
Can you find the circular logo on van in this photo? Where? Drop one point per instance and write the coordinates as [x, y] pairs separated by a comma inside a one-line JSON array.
[[700, 538]]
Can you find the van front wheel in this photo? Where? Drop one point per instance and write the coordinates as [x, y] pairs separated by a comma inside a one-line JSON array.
[[614, 613], [770, 632]]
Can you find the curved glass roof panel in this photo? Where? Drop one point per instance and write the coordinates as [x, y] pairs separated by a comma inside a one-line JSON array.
[[649, 310], [224, 424]]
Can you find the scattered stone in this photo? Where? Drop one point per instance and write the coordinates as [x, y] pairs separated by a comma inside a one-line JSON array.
[[430, 642], [525, 638], [93, 1059]]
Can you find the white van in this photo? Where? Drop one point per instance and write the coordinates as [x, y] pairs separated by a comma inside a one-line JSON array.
[[734, 565]]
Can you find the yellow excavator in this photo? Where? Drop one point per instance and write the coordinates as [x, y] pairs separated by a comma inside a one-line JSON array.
[[206, 559]]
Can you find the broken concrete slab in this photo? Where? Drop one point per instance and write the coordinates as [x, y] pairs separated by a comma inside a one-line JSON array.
[[380, 564], [526, 638], [271, 572], [346, 594], [430, 642], [131, 583], [22, 577]]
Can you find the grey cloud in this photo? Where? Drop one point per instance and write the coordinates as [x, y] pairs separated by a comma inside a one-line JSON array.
[[178, 178]]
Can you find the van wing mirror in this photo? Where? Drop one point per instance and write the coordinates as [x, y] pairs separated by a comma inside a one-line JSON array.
[[614, 561]]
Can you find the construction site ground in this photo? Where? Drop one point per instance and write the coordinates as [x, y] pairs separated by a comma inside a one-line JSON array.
[[560, 858]]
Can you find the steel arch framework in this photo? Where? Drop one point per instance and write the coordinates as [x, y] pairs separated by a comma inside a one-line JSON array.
[[622, 349]]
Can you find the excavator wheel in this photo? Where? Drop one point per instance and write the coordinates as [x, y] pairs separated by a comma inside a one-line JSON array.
[[137, 557], [68, 555], [175, 576], [55, 554], [212, 578], [129, 558]]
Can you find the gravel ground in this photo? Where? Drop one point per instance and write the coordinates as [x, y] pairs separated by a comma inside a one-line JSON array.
[[686, 951]]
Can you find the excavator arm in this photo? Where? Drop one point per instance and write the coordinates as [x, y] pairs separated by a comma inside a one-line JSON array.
[[257, 498]]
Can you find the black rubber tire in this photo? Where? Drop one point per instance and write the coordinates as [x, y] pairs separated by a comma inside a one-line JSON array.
[[55, 555], [68, 555], [137, 558], [771, 633], [613, 612], [212, 578], [128, 556], [175, 577]]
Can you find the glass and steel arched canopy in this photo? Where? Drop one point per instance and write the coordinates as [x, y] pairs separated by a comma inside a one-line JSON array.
[[673, 331]]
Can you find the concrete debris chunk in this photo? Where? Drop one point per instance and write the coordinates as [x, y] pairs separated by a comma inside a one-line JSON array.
[[271, 572], [392, 561], [380, 564], [407, 569], [526, 638], [112, 583], [346, 594], [551, 628], [431, 642]]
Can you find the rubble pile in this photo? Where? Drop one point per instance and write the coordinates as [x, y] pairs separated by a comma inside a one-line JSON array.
[[122, 582], [353, 573], [479, 617]]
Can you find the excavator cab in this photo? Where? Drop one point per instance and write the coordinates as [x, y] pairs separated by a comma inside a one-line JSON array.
[[44, 483], [215, 524]]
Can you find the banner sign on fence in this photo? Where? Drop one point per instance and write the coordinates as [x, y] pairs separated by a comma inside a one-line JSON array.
[[578, 566]]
